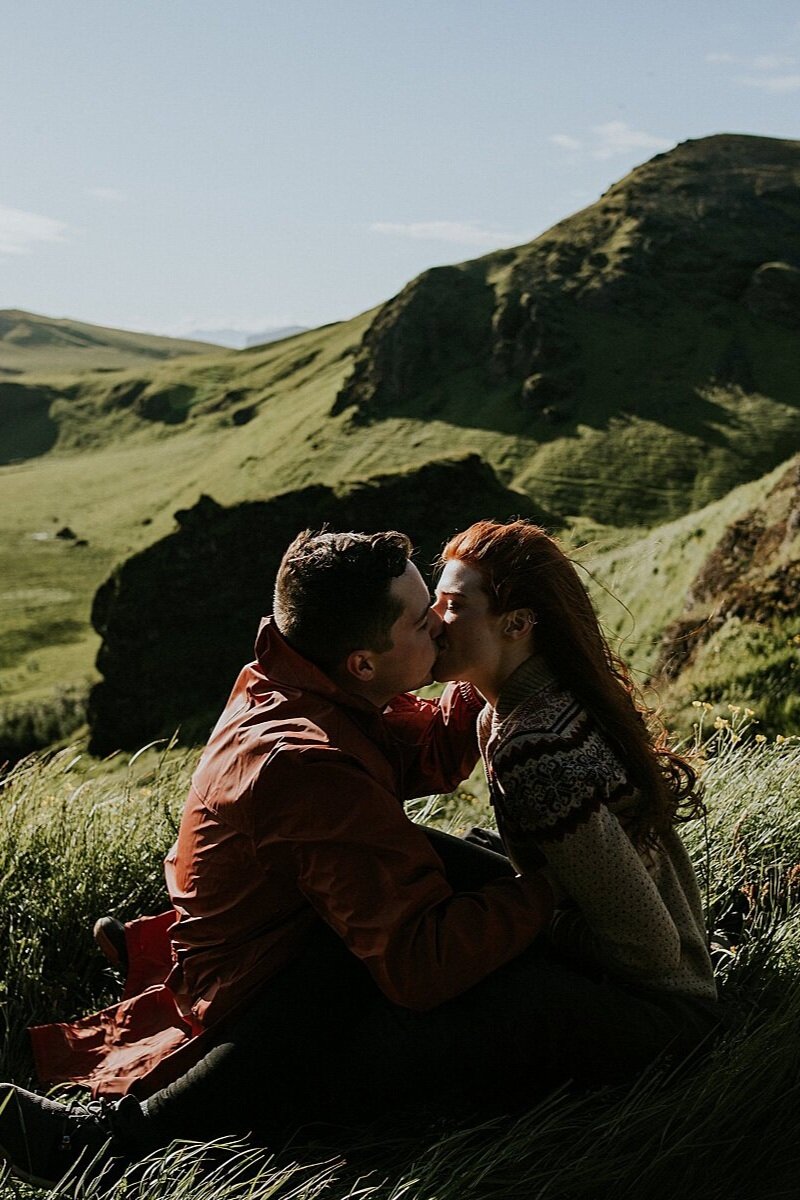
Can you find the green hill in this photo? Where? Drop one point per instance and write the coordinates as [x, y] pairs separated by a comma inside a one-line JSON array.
[[632, 365], [30, 343]]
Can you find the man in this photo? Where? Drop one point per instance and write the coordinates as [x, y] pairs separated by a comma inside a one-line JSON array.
[[294, 828]]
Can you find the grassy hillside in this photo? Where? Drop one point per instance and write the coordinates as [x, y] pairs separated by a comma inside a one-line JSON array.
[[710, 606], [78, 839], [33, 344]]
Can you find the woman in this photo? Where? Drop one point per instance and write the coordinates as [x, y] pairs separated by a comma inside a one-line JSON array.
[[580, 777]]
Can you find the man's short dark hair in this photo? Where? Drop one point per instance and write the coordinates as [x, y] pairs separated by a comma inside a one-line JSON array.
[[332, 593]]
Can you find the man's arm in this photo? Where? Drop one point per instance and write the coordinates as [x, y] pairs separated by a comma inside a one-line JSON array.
[[375, 879], [434, 740]]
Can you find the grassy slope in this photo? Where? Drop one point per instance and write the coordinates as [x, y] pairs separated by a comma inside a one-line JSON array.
[[33, 344], [78, 839], [653, 569], [652, 573]]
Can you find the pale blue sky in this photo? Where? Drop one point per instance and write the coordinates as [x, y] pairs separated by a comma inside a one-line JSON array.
[[180, 164]]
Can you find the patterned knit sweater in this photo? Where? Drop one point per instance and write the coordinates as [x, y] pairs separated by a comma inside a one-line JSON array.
[[560, 795]]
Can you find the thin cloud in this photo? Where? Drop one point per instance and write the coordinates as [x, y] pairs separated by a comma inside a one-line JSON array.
[[464, 233], [611, 139], [110, 194], [777, 84], [769, 81], [773, 62], [21, 231], [565, 141]]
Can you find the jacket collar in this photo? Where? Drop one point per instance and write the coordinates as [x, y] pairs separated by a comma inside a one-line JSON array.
[[281, 664]]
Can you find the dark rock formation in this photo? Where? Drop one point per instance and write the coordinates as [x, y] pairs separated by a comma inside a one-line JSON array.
[[26, 426], [774, 294], [124, 393], [169, 405], [437, 327], [179, 619]]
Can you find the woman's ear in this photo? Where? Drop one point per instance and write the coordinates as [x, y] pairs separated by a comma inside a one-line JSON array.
[[518, 623]]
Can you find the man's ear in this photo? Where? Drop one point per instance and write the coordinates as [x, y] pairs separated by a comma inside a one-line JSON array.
[[518, 623], [360, 666]]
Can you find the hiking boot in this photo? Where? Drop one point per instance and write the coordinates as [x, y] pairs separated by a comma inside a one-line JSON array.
[[109, 933], [46, 1143]]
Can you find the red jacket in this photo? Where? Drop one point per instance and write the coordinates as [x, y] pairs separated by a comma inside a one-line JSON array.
[[295, 814]]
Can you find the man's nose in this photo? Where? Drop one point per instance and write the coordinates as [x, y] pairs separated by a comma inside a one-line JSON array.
[[435, 622]]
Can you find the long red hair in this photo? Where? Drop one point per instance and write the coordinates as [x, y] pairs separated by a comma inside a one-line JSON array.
[[522, 566]]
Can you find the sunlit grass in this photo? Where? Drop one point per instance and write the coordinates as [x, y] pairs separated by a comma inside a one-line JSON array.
[[78, 839]]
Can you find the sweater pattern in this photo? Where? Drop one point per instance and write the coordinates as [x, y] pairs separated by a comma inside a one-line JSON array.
[[551, 768]]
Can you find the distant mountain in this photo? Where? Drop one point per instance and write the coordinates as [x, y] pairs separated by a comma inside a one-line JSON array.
[[36, 344], [237, 339]]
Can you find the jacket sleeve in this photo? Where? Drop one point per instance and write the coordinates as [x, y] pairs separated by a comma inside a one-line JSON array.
[[373, 877], [435, 741]]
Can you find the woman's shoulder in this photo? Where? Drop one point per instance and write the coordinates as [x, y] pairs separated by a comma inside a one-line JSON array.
[[553, 759], [547, 713]]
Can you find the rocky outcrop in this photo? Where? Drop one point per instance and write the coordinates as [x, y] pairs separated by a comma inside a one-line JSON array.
[[752, 574], [774, 294], [179, 619], [436, 328]]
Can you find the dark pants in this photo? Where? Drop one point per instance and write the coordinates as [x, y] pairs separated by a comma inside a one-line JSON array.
[[321, 1043]]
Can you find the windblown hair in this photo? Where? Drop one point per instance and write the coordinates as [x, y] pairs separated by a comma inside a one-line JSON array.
[[332, 593], [523, 567]]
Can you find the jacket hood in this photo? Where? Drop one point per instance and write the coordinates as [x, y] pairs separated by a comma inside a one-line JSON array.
[[281, 664]]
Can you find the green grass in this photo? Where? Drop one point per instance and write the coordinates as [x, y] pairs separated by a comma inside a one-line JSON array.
[[79, 838]]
